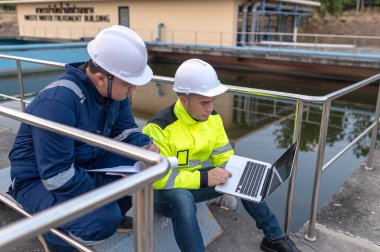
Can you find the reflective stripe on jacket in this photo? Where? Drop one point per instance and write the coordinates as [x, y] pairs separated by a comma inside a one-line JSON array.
[[192, 142]]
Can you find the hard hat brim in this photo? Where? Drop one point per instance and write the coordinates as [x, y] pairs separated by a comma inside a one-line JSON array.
[[140, 80], [220, 89]]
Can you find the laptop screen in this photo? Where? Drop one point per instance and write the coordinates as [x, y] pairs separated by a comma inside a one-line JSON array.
[[284, 164]]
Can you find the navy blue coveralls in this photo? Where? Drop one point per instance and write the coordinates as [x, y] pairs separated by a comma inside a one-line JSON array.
[[48, 168]]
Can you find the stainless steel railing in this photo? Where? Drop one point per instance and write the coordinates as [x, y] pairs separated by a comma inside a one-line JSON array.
[[326, 103], [140, 184], [300, 101]]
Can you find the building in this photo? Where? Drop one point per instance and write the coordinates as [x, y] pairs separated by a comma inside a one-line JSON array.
[[208, 22]]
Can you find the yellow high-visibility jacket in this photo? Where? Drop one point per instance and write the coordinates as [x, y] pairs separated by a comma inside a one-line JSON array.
[[192, 142]]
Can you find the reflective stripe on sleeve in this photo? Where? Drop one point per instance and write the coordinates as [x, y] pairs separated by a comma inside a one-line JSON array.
[[194, 163], [60, 179], [126, 134], [222, 149], [70, 85]]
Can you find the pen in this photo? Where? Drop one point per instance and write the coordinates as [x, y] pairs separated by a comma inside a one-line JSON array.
[[150, 142]]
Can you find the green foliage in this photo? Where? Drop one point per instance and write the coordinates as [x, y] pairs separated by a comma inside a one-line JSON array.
[[336, 7], [8, 7]]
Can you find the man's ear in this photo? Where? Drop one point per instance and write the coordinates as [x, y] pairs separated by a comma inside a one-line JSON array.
[[100, 79], [183, 99]]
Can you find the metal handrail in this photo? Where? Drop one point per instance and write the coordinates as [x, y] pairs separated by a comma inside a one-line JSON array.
[[300, 101], [85, 203], [11, 203], [326, 103], [80, 205], [84, 136]]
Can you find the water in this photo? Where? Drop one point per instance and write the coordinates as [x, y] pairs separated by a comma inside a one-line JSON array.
[[19, 42], [262, 128]]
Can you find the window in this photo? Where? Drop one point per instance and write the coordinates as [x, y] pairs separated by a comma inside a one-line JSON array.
[[124, 16]]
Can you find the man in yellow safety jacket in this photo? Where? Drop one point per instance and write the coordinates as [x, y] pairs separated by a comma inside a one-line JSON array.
[[192, 131]]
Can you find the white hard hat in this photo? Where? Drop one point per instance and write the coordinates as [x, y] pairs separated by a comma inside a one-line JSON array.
[[122, 53], [195, 76]]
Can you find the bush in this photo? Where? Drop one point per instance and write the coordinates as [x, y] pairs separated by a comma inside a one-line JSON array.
[[8, 7]]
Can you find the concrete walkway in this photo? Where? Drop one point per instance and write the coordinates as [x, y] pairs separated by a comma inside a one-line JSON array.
[[350, 221]]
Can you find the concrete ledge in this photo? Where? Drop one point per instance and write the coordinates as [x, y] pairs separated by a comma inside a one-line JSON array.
[[331, 240]]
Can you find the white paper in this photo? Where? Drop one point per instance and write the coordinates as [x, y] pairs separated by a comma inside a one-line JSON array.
[[119, 169]]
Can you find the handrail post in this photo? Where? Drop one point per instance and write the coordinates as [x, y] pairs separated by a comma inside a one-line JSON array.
[[318, 170], [292, 180], [20, 85], [143, 217], [368, 166]]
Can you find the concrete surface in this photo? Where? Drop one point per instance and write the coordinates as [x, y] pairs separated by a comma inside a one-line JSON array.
[[6, 141]]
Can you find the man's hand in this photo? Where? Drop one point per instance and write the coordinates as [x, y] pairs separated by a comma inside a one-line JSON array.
[[218, 176], [152, 147]]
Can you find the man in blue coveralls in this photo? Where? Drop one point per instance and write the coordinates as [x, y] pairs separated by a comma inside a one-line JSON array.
[[48, 169]]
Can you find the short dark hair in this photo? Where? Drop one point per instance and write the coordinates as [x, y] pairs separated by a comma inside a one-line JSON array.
[[95, 68]]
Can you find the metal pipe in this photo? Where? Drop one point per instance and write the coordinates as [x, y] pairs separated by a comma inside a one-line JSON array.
[[84, 136], [61, 235], [374, 133], [253, 22], [275, 94], [262, 21], [74, 208], [295, 23], [318, 171], [291, 96], [293, 178], [159, 32], [353, 87], [244, 23], [332, 160], [143, 215], [12, 98], [45, 62], [20, 85]]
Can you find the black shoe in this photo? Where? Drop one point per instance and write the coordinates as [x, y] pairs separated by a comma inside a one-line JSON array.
[[281, 245], [126, 226]]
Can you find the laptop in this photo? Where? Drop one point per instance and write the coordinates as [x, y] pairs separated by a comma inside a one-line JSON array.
[[255, 180]]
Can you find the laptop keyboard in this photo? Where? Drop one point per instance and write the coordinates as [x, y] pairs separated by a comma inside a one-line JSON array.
[[250, 180]]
